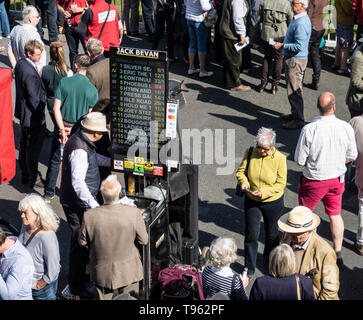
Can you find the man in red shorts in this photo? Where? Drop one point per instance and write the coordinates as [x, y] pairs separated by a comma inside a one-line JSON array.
[[325, 145]]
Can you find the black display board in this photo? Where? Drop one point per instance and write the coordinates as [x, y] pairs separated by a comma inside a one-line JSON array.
[[139, 87]]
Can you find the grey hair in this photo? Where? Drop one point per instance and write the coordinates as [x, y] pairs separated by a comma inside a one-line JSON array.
[[29, 12], [305, 3], [47, 218], [223, 251], [94, 47], [110, 189], [266, 136], [282, 261]]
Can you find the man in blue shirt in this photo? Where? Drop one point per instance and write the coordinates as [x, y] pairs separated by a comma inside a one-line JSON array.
[[296, 50], [16, 269]]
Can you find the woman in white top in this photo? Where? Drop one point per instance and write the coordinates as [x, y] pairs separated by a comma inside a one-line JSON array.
[[40, 223], [198, 34]]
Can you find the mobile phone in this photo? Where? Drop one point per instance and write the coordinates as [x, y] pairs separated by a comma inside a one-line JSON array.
[[271, 41]]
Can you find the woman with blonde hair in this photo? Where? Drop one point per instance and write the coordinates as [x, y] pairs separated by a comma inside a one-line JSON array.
[[218, 277], [40, 223], [283, 283]]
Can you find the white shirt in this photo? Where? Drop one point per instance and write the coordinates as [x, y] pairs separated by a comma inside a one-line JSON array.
[[194, 9], [239, 10], [79, 165], [323, 147]]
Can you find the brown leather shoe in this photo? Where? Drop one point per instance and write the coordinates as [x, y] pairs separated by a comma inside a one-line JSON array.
[[241, 87], [293, 124], [286, 117], [359, 249]]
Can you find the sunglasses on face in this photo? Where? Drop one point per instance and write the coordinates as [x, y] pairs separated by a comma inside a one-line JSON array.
[[263, 148]]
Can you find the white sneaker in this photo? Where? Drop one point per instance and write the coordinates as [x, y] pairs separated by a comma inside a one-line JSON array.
[[205, 74], [1, 37], [193, 71]]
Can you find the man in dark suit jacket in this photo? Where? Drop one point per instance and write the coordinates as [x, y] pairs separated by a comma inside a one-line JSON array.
[[29, 109], [111, 231]]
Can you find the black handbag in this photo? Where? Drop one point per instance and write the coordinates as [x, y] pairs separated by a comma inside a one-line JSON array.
[[239, 191]]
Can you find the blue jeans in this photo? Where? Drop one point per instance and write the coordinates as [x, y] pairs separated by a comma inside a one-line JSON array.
[[49, 292], [198, 37], [53, 167], [4, 25], [271, 212]]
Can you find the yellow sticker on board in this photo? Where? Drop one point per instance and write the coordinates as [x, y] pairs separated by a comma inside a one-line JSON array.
[[128, 164], [139, 160]]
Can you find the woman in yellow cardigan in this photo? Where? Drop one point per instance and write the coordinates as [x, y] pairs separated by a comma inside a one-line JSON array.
[[264, 184]]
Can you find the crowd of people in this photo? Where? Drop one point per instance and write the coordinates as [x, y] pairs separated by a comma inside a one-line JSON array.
[[301, 264]]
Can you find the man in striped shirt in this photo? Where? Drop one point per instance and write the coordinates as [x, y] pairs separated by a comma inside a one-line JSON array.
[[325, 145]]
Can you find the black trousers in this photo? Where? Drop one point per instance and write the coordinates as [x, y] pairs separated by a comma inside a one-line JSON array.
[[163, 15], [74, 36], [147, 14], [231, 64], [31, 143], [78, 255], [314, 53], [271, 212]]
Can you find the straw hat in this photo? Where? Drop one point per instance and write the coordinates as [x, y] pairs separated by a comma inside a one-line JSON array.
[[95, 121], [300, 219]]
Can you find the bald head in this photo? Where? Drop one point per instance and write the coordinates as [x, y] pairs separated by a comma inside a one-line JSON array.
[[326, 103]]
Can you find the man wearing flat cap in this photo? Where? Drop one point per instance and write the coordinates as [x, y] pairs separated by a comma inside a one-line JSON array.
[[315, 258], [79, 187]]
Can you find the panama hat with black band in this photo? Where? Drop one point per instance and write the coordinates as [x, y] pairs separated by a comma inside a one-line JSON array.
[[95, 122], [298, 220]]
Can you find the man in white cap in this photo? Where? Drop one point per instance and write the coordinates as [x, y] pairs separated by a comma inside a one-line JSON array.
[[315, 258], [79, 187]]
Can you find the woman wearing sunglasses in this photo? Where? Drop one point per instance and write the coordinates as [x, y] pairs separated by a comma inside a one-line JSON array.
[[264, 183]]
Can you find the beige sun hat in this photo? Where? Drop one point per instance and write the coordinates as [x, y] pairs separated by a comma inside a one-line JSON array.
[[300, 219], [95, 121]]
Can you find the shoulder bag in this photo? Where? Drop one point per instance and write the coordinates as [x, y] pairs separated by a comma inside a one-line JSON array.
[[31, 237], [108, 12], [210, 18], [239, 191]]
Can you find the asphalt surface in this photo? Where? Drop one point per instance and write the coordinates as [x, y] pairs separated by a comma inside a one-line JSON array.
[[210, 107]]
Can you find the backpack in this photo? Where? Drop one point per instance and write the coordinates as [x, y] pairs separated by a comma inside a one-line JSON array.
[[181, 282]]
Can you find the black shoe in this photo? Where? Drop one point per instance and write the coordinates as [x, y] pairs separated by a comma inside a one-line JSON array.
[[286, 117], [262, 87], [313, 86], [275, 88]]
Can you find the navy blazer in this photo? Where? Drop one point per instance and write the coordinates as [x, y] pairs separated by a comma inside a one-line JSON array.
[[30, 95], [271, 288]]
